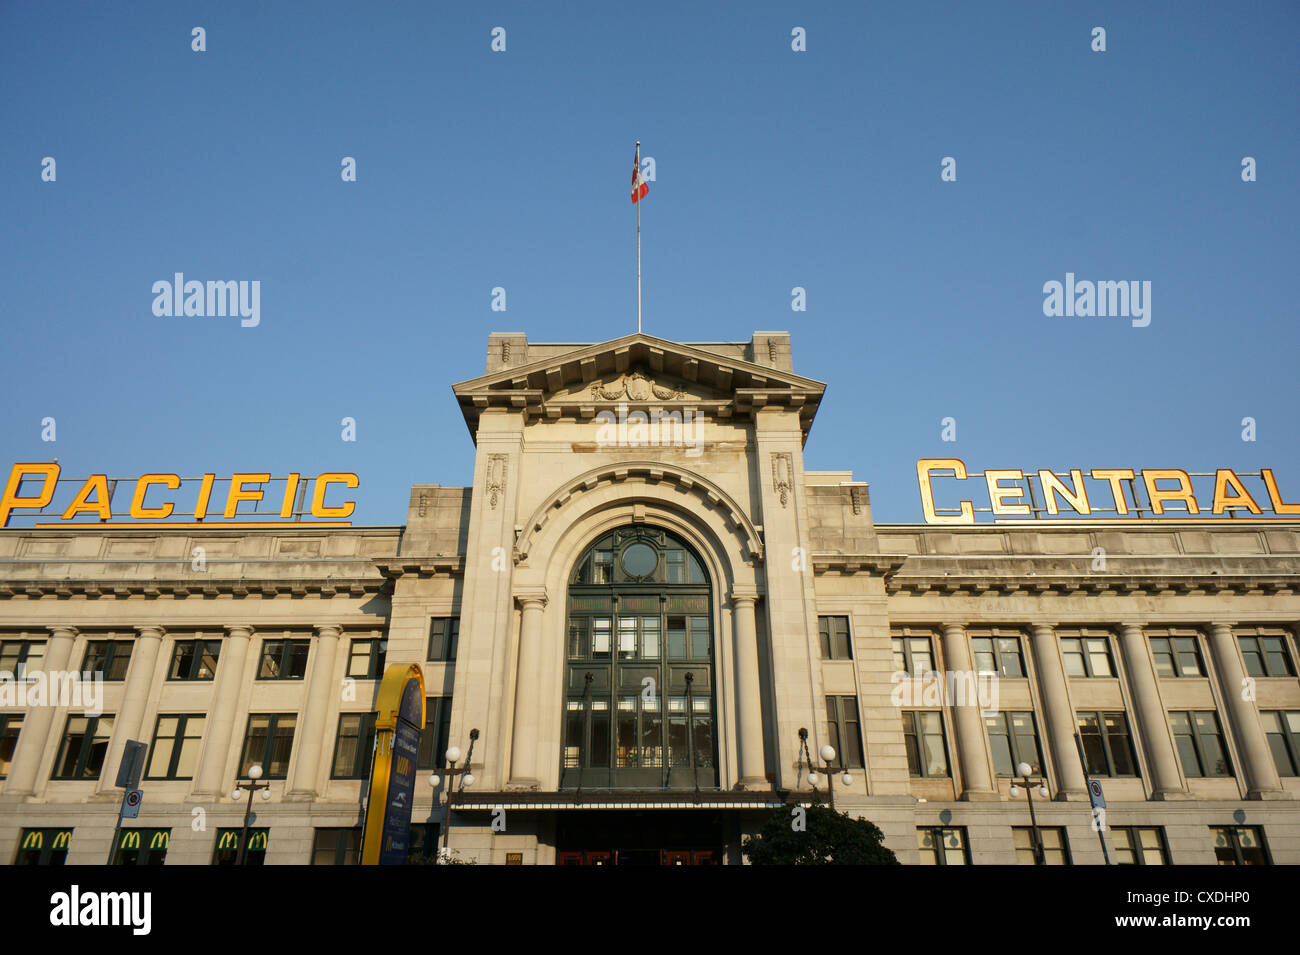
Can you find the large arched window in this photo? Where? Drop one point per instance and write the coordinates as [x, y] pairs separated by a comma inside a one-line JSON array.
[[638, 707]]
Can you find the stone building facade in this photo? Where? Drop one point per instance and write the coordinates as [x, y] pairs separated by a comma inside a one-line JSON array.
[[640, 604]]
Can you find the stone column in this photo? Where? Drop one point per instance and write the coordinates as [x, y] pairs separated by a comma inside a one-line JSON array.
[[135, 697], [1152, 725], [311, 739], [1058, 714], [1258, 770], [749, 697], [972, 744], [35, 734], [221, 720], [523, 749]]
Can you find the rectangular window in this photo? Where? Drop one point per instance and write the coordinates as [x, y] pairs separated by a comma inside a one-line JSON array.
[[1055, 849], [194, 660], [109, 658], [1086, 653], [1200, 743], [268, 743], [444, 635], [227, 849], [43, 847], [284, 659], [997, 651], [437, 729], [423, 843], [1240, 845], [1281, 729], [1107, 744], [913, 653], [1139, 845], [354, 746], [20, 657], [366, 660], [84, 746], [844, 731], [141, 846], [11, 725], [927, 750], [1264, 651], [943, 846], [1177, 653], [336, 847], [1013, 739], [834, 635], [175, 750]]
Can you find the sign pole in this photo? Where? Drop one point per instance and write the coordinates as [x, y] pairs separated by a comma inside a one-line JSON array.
[[1096, 799], [638, 249]]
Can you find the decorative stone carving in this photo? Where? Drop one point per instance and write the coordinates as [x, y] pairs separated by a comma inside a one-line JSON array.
[[857, 495], [771, 351], [496, 478], [782, 475], [634, 387]]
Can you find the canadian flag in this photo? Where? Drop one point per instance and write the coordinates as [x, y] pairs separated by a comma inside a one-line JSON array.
[[639, 187]]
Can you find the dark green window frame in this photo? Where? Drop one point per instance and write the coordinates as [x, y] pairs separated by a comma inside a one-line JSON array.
[[1054, 840], [141, 846], [835, 637], [83, 747], [226, 848], [336, 846], [1107, 743], [181, 745], [110, 658], [998, 651], [444, 636], [1087, 654], [913, 652], [1240, 845], [1281, 729], [11, 725], [268, 742], [844, 730], [1019, 730], [43, 847], [194, 660], [1265, 653], [1177, 654], [1198, 737], [17, 657], [354, 746], [921, 728], [943, 845], [284, 658], [366, 657], [1132, 847], [435, 736]]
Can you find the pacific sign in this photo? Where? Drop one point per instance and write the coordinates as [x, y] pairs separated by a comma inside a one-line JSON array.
[[1011, 493], [34, 487]]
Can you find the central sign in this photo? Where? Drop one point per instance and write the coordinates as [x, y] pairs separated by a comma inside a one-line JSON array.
[[398, 726]]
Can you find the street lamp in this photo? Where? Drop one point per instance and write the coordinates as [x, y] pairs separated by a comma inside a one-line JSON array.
[[827, 754], [450, 773], [1024, 770], [254, 774]]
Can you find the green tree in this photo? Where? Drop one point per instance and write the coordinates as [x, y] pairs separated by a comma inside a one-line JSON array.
[[816, 835]]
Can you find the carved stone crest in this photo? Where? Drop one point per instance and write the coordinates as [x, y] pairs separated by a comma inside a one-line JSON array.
[[634, 387], [782, 475]]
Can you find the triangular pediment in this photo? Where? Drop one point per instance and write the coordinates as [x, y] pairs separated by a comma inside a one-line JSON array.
[[636, 369]]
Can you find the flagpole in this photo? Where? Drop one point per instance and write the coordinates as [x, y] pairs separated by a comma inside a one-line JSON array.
[[638, 251]]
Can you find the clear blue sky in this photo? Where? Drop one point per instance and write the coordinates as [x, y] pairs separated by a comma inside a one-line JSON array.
[[774, 169]]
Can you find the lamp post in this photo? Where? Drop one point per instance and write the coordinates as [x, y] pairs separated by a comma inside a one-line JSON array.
[[1024, 770], [827, 754], [451, 773], [254, 774]]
